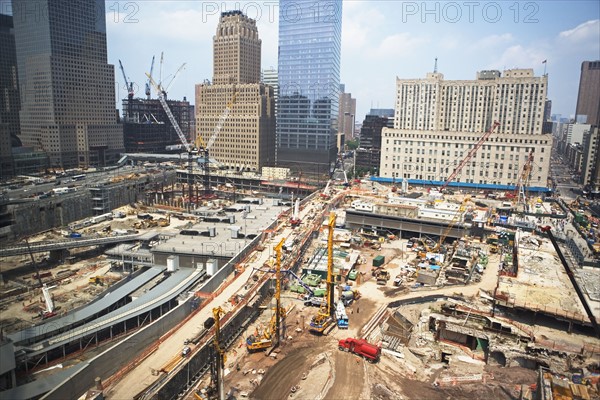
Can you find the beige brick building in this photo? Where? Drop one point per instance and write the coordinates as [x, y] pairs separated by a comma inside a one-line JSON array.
[[246, 140], [437, 122]]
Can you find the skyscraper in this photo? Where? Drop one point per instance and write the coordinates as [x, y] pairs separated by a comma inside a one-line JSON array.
[[309, 78], [346, 117], [246, 140], [9, 100], [67, 86], [588, 98]]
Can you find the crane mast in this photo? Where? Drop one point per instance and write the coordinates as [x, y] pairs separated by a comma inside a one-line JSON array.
[[217, 313], [470, 154], [278, 309]]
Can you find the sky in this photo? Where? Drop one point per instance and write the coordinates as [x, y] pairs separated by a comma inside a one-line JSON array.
[[381, 40]]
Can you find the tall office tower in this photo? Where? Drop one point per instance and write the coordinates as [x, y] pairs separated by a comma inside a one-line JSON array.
[[9, 99], [269, 77], [588, 98], [346, 117], [246, 140], [309, 78], [590, 163], [67, 86], [437, 122]]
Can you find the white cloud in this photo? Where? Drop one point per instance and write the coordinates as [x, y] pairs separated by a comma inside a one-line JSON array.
[[492, 41], [582, 32], [518, 56]]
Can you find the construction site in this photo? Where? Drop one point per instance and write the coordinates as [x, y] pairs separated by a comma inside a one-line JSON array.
[[233, 288]]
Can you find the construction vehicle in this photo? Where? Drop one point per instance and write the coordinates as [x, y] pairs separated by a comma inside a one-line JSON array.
[[340, 316], [295, 220], [398, 280], [383, 276], [96, 280], [324, 318], [469, 155], [348, 296], [492, 240], [255, 342], [360, 347]]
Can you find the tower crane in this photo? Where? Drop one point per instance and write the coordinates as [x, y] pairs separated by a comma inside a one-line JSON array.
[[325, 316], [130, 91], [148, 92], [470, 155]]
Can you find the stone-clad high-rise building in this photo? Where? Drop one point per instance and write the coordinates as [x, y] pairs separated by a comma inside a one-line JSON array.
[[309, 79], [67, 86], [588, 98], [437, 122], [246, 140], [9, 95]]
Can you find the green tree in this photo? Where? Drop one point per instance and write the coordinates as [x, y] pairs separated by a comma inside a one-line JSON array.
[[352, 144]]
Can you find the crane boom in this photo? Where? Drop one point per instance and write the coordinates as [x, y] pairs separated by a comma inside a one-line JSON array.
[[163, 102], [128, 85], [148, 92], [222, 119], [166, 89], [470, 155]]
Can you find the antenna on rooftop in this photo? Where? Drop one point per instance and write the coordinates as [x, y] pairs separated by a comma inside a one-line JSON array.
[[435, 66]]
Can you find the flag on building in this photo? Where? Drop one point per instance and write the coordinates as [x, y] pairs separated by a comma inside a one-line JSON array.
[[544, 62]]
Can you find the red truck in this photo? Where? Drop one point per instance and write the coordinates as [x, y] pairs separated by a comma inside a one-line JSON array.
[[361, 347]]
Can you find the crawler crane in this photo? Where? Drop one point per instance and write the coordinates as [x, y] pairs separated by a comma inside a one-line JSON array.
[[325, 318]]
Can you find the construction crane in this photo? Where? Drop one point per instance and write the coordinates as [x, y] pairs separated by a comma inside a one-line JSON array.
[[148, 92], [130, 91], [265, 340], [295, 220], [453, 222], [469, 155], [325, 317], [519, 193], [220, 354], [211, 141], [162, 92], [49, 312]]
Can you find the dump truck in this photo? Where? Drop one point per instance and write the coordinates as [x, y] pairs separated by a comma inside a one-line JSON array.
[[361, 347]]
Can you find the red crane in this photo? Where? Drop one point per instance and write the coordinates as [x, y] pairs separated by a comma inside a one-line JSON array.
[[470, 155]]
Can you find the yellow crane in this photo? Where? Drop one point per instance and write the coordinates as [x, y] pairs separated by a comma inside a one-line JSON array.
[[220, 352], [324, 318]]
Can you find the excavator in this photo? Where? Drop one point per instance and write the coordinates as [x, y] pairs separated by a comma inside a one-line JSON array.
[[325, 318]]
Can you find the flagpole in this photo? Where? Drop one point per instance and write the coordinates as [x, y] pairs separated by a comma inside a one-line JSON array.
[[545, 62]]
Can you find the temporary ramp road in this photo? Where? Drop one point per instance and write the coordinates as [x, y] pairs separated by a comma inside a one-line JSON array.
[[40, 247], [33, 334], [166, 291]]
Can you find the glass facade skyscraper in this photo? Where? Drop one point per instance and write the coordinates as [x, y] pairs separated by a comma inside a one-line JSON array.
[[309, 79], [67, 86]]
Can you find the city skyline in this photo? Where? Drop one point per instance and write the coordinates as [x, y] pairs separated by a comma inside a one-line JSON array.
[[395, 39]]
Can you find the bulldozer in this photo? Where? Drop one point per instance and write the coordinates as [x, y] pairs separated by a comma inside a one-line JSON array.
[[383, 276], [96, 280]]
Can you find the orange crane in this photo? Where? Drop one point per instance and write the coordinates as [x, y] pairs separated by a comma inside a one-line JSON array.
[[470, 155]]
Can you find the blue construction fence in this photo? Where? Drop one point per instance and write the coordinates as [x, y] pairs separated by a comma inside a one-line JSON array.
[[462, 185]]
